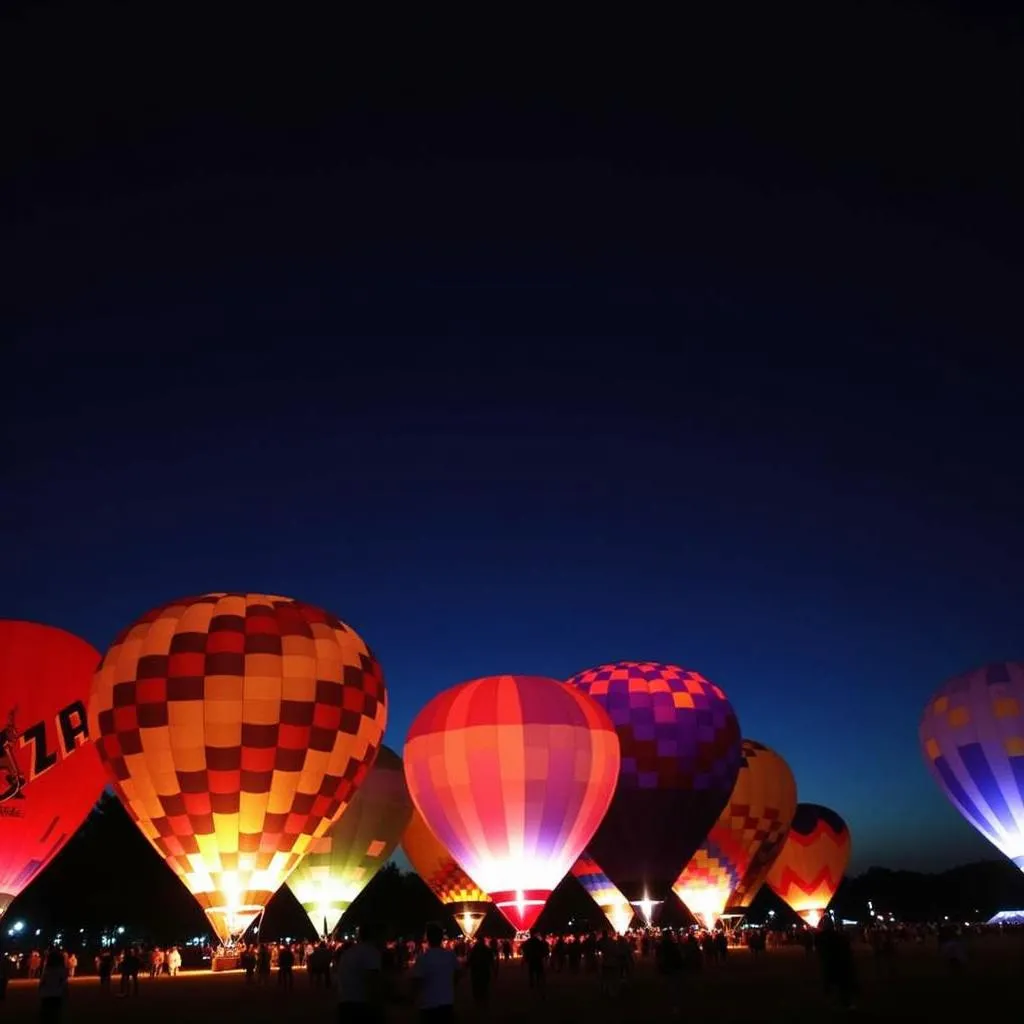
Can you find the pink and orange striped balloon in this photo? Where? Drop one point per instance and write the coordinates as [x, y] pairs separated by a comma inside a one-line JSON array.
[[513, 774]]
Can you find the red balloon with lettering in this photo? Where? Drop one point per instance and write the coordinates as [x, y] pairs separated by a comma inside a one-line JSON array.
[[50, 774]]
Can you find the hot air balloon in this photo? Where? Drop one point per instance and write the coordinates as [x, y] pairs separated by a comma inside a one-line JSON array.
[[445, 879], [810, 865], [681, 752], [50, 776], [757, 816], [972, 735], [236, 728], [339, 865], [513, 774], [613, 904]]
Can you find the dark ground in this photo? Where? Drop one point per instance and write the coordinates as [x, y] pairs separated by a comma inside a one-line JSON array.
[[784, 985]]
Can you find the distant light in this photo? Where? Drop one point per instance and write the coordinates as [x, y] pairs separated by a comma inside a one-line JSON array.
[[17, 926], [39, 931], [120, 929]]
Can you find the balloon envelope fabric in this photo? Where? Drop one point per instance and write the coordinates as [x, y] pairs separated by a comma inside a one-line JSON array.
[[45, 676], [443, 876], [603, 892], [236, 728], [513, 774], [757, 817], [972, 735], [681, 750], [811, 863], [338, 866]]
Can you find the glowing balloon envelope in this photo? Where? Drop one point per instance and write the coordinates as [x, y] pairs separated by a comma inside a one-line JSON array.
[[972, 735], [811, 863], [745, 840], [604, 893], [339, 865], [513, 774], [467, 902], [681, 748], [50, 776], [236, 728]]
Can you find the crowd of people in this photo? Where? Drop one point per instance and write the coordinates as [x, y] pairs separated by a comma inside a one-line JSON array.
[[369, 970]]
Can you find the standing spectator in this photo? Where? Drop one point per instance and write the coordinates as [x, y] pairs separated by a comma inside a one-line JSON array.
[[53, 987], [285, 963], [483, 965], [357, 977], [434, 976]]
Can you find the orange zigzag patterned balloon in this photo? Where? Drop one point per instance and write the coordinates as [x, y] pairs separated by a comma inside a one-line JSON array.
[[813, 860]]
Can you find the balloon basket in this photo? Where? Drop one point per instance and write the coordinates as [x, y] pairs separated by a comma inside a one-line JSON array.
[[648, 910], [231, 923], [469, 917]]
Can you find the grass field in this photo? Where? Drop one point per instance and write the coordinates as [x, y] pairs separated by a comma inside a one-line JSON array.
[[783, 985]]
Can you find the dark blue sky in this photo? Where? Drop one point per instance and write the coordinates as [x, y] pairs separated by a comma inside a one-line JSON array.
[[524, 380]]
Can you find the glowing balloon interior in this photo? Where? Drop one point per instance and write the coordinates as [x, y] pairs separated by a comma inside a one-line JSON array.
[[513, 774], [467, 902], [753, 826], [50, 775], [680, 744], [338, 866], [236, 728], [613, 904], [810, 866], [972, 735]]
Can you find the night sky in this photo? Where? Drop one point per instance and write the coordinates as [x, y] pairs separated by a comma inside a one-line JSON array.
[[523, 350]]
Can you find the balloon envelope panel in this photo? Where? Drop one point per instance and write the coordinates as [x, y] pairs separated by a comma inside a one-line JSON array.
[[972, 735], [810, 866], [512, 774], [603, 892], [339, 865], [443, 876], [680, 747], [45, 676], [236, 728], [437, 867]]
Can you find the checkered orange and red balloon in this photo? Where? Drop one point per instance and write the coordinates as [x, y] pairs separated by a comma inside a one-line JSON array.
[[236, 728], [733, 860]]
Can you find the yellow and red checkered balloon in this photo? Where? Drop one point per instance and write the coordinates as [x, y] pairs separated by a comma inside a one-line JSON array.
[[236, 728], [733, 860]]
